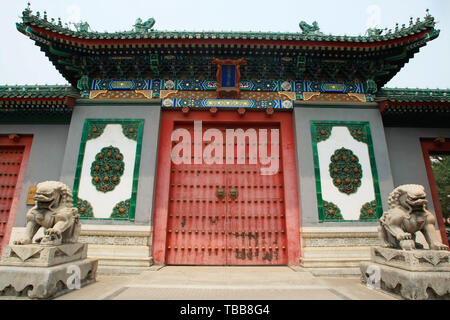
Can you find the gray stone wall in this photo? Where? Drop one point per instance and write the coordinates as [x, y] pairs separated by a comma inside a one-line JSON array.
[[45, 161], [147, 170], [405, 153], [303, 115]]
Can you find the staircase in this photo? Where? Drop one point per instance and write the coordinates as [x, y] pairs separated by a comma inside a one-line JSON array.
[[120, 249], [336, 251]]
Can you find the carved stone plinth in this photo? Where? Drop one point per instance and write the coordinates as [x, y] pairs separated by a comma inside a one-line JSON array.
[[415, 274], [45, 272], [35, 255], [413, 260], [45, 282]]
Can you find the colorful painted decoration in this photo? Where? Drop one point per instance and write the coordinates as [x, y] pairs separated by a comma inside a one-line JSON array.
[[369, 211], [345, 170], [115, 84], [107, 169], [245, 85], [121, 210], [331, 211], [229, 103], [84, 208]]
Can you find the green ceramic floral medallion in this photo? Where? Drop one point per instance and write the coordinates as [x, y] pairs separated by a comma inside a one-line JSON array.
[[107, 169], [121, 210], [84, 208], [358, 134], [345, 170], [95, 130], [331, 211], [323, 133], [369, 211], [130, 130]]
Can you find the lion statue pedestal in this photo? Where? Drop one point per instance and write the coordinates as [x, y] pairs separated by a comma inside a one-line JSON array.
[[56, 263], [400, 265]]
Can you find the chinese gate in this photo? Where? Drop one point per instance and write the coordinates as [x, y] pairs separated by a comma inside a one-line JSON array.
[[227, 212]]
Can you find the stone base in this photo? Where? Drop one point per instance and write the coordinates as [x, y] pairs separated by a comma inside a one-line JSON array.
[[415, 274], [119, 249], [413, 260], [45, 282], [36, 255]]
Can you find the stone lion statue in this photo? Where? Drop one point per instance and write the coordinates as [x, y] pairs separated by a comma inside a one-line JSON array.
[[55, 212], [408, 214]]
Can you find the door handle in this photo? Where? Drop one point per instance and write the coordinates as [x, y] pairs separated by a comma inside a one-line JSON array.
[[220, 193], [234, 193]]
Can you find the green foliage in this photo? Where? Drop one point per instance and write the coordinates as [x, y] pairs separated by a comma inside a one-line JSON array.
[[441, 172]]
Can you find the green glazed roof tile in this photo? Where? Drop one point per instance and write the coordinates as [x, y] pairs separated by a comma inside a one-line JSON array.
[[38, 91], [413, 95], [30, 19]]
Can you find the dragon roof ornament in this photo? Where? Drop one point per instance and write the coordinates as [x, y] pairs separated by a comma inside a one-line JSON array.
[[310, 29], [143, 27]]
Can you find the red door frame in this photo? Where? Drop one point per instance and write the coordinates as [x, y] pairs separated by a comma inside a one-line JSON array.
[[433, 145], [291, 196], [14, 140]]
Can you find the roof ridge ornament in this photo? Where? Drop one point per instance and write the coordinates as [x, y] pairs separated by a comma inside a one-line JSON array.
[[310, 29], [429, 19], [27, 10], [374, 32], [81, 26], [143, 27]]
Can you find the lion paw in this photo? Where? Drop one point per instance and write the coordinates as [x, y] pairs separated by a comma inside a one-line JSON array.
[[407, 245], [53, 232], [404, 236]]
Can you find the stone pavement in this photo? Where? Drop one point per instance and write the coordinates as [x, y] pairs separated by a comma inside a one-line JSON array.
[[225, 283]]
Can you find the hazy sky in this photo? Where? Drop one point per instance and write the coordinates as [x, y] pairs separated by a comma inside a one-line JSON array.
[[21, 62]]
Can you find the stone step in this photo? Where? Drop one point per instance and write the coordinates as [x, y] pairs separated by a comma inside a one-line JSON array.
[[332, 263], [335, 272], [335, 261], [335, 252], [119, 270], [123, 261], [119, 251]]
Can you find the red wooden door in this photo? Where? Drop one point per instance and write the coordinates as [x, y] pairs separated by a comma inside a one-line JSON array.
[[10, 162], [197, 215], [256, 225], [227, 214]]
